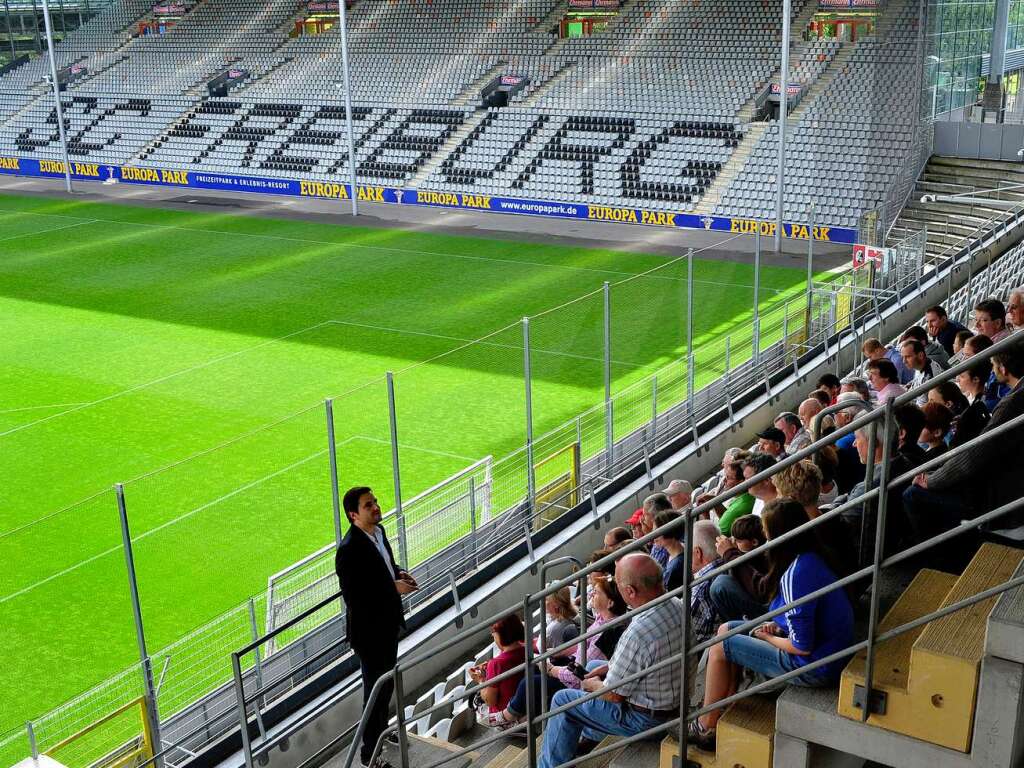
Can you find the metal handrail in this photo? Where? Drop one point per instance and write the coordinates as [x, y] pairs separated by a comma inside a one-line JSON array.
[[686, 589]]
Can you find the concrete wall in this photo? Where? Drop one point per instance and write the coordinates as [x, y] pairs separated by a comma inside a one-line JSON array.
[[978, 141]]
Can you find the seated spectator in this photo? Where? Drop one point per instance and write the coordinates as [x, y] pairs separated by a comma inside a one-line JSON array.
[[636, 523], [850, 471], [909, 423], [627, 708], [772, 442], [884, 380], [958, 347], [796, 436], [1015, 310], [595, 576], [990, 319], [605, 605], [874, 350], [801, 482], [822, 397], [793, 639], [947, 393], [940, 328], [995, 390], [743, 591], [679, 493], [672, 542], [721, 477], [738, 505], [854, 516], [616, 537], [935, 351], [508, 636], [924, 368], [653, 504], [703, 615], [764, 491], [562, 619], [937, 422], [830, 383], [975, 418], [981, 478], [807, 412], [827, 462], [856, 385]]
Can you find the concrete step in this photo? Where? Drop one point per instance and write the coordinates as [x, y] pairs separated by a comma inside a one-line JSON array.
[[745, 737], [930, 681], [1006, 625]]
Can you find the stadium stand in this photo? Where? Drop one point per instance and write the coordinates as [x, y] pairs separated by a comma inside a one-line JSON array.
[[658, 111]]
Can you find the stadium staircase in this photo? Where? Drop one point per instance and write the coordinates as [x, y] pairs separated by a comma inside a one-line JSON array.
[[733, 167], [824, 81], [949, 223], [560, 74], [458, 136], [470, 95]]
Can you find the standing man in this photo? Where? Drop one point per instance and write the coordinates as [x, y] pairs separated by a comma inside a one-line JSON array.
[[372, 585]]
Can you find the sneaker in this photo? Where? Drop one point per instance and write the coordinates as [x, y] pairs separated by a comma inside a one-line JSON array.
[[699, 736], [392, 738], [494, 720], [380, 762]]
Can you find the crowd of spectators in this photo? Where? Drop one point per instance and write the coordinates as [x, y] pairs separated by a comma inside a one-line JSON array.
[[727, 591]]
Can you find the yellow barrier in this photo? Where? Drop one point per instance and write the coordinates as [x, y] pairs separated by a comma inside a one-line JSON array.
[[557, 485], [128, 754]]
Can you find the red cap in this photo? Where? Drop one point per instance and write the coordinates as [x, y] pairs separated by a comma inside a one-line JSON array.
[[636, 518]]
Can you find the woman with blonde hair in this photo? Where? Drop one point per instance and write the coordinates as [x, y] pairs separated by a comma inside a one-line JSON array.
[[562, 619]]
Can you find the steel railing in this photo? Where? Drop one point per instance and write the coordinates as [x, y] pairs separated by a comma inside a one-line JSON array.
[[879, 561]]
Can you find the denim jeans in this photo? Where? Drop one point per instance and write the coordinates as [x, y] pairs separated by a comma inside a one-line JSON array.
[[764, 658], [732, 601], [594, 720]]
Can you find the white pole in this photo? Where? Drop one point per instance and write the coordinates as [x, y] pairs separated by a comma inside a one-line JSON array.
[[348, 107], [787, 11], [56, 97]]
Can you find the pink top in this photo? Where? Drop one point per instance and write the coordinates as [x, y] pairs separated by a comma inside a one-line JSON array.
[[890, 391], [567, 678]]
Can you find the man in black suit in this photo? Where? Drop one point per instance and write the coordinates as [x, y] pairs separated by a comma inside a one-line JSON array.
[[984, 476], [372, 585]]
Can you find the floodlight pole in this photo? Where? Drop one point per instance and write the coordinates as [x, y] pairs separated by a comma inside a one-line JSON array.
[[152, 713], [531, 490], [56, 97], [343, 23], [787, 11], [756, 338], [332, 458]]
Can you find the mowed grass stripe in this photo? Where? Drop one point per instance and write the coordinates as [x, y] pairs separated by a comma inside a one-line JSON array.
[[111, 306]]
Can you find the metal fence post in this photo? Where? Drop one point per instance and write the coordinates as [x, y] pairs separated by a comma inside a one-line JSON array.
[[140, 634], [609, 427], [472, 522], [258, 658], [755, 351], [883, 495], [810, 269], [727, 382], [332, 459], [654, 410], [51, 55], [243, 717], [33, 746], [403, 738], [528, 382], [531, 733], [403, 548]]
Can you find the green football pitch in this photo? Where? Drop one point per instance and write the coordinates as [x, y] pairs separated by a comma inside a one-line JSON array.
[[188, 355]]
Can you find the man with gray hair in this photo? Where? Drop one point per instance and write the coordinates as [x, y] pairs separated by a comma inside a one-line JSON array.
[[850, 470], [704, 619], [797, 437], [628, 708], [1015, 309], [679, 493], [855, 384]]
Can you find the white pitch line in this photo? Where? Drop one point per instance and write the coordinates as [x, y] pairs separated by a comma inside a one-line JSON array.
[[47, 231], [41, 407], [515, 262], [484, 342], [162, 379], [214, 502]]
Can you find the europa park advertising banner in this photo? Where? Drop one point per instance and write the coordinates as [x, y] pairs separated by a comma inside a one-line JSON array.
[[33, 167]]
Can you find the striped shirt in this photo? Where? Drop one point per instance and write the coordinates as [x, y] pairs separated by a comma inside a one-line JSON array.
[[651, 637]]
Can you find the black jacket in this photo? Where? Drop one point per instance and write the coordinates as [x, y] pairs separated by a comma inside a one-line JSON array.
[[989, 473], [970, 423], [373, 606]]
